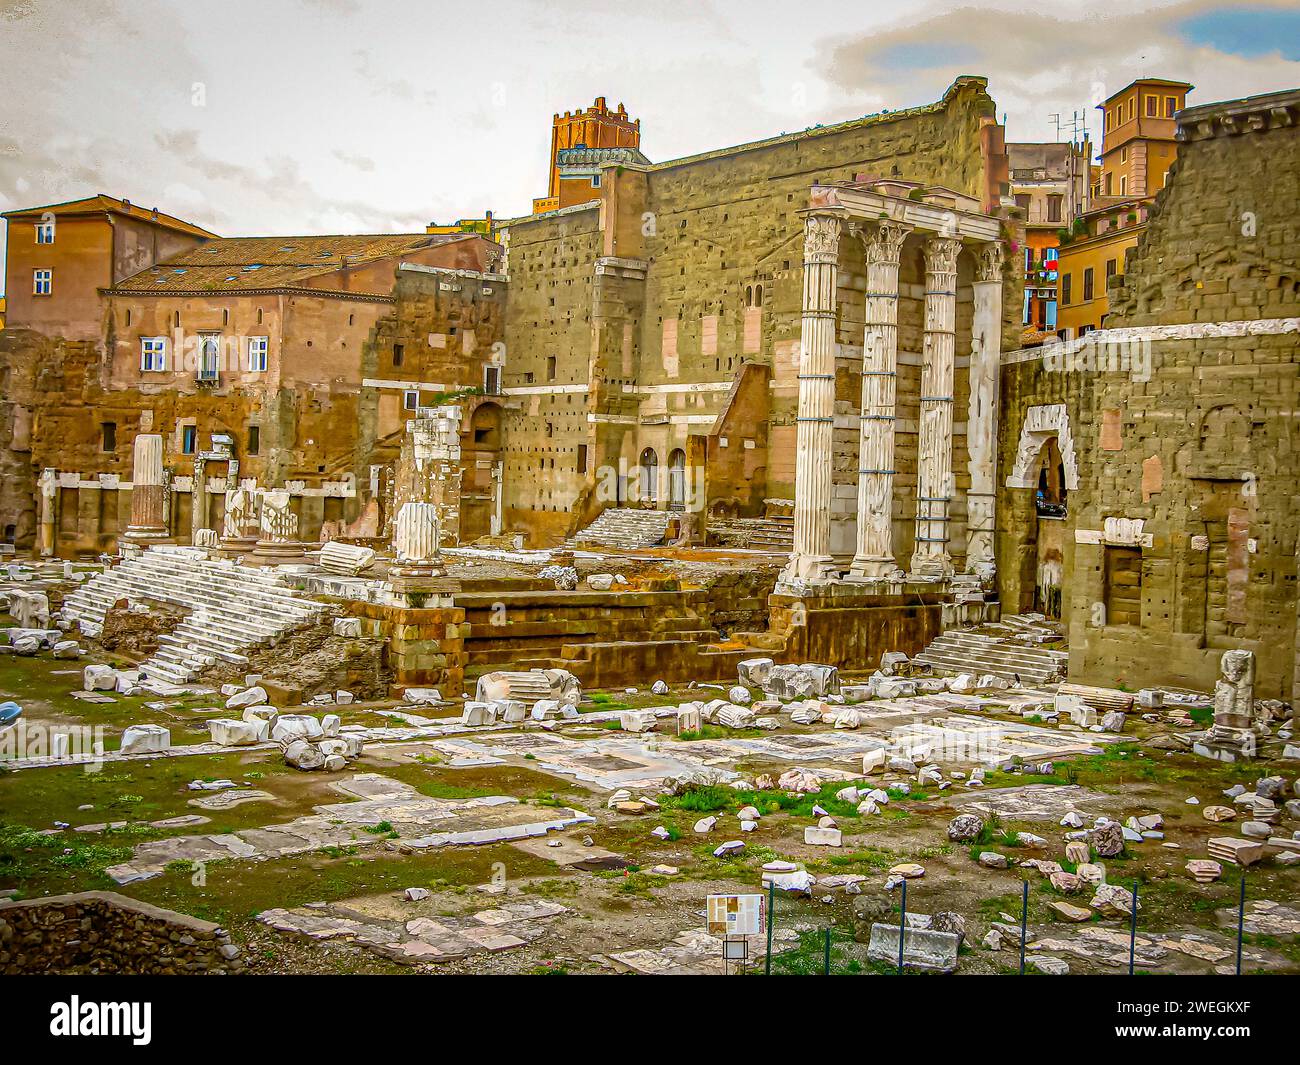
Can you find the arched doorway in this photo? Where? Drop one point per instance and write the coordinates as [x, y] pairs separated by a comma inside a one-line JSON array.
[[649, 478], [1050, 496], [677, 480]]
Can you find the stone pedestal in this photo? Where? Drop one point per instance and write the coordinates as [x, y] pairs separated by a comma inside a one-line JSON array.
[[1236, 731], [874, 556], [148, 504], [278, 543], [810, 561], [930, 557]]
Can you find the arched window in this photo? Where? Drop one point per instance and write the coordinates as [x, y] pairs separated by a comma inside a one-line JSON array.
[[649, 476], [677, 480]]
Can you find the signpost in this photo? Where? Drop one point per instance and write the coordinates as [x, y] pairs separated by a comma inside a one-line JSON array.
[[734, 917]]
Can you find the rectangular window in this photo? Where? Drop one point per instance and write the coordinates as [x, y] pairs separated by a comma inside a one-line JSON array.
[[1153, 107], [550, 367], [108, 436], [1065, 289], [1123, 184], [1108, 183], [582, 458], [189, 439], [492, 380], [153, 354], [1112, 267], [1171, 105], [45, 233], [254, 439], [1054, 208], [1087, 284], [257, 354], [398, 352], [42, 282], [410, 399]]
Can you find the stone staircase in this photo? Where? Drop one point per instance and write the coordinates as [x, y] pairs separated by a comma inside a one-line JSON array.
[[627, 528], [229, 608], [775, 534], [1008, 649]]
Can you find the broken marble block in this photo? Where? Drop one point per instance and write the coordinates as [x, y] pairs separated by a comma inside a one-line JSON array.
[[99, 678], [754, 672], [689, 718], [145, 739], [349, 627], [254, 696], [740, 695], [802, 681], [923, 948], [303, 755], [817, 836], [637, 720], [296, 726], [227, 732], [67, 649], [511, 711], [476, 713], [735, 717]]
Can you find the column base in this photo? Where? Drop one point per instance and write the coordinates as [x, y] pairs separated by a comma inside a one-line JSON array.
[[234, 546], [875, 570], [277, 553], [929, 568], [138, 538], [807, 571]]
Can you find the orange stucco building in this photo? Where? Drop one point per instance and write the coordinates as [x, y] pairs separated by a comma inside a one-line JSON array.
[[1138, 142], [59, 256]]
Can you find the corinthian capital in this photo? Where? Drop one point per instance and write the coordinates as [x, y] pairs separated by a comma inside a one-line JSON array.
[[884, 241], [990, 262], [941, 255], [821, 236]]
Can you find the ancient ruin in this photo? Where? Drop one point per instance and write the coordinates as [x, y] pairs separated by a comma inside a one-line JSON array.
[[708, 540]]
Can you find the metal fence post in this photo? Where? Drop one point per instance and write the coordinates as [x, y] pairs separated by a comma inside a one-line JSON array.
[[1241, 919], [1024, 922], [1133, 930], [771, 920], [826, 963], [902, 927]]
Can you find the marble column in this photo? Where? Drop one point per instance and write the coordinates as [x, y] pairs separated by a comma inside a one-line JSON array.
[[277, 543], [982, 416], [934, 487], [48, 486], [874, 555], [810, 560], [198, 498], [148, 510], [415, 539]]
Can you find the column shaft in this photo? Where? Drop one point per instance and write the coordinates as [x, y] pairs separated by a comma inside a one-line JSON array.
[[811, 559], [982, 418], [930, 557], [874, 556]]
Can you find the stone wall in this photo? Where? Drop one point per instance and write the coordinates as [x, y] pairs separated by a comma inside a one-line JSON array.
[[426, 646], [104, 932], [630, 319], [1182, 531]]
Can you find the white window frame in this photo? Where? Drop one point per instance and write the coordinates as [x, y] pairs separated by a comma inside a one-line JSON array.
[[42, 282], [153, 354], [209, 369], [257, 349], [411, 399], [490, 387], [44, 232]]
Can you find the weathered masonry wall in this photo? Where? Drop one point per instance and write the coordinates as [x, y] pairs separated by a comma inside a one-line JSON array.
[[636, 314], [1182, 532], [104, 932]]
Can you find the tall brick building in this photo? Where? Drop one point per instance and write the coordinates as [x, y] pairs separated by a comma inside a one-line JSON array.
[[1150, 470]]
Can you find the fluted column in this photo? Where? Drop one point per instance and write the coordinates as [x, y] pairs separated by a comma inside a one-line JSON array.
[[147, 509], [811, 558], [982, 418], [874, 556], [934, 487], [415, 539]]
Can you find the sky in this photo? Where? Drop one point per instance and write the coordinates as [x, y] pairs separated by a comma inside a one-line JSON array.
[[292, 117]]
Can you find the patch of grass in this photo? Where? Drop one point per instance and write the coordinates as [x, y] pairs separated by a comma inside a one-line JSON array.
[[707, 799]]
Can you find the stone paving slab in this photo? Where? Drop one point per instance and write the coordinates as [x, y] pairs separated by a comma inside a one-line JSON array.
[[419, 939], [491, 819]]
